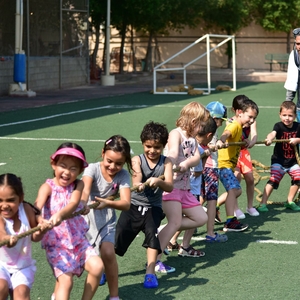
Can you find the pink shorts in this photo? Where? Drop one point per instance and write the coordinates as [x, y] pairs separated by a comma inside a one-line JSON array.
[[244, 163], [185, 197]]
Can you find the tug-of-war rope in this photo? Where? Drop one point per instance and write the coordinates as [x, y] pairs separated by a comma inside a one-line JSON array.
[[257, 168]]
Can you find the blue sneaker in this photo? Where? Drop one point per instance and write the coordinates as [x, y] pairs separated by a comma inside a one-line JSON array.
[[103, 279], [150, 281]]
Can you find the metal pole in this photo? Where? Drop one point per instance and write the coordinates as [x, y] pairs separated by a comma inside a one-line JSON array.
[[208, 64], [28, 46], [60, 44], [233, 64], [107, 62], [87, 41]]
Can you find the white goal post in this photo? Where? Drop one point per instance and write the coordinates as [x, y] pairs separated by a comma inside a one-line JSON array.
[[226, 38]]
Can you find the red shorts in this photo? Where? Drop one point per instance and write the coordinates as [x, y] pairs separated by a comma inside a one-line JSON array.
[[244, 163]]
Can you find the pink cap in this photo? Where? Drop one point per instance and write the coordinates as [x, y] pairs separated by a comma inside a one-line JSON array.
[[71, 152]]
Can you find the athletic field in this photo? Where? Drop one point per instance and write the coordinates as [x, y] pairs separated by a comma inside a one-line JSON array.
[[260, 263]]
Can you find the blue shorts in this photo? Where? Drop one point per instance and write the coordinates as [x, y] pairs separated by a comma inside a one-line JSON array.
[[210, 184], [228, 179]]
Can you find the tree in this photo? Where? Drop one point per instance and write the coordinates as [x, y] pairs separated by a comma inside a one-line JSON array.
[[98, 10], [227, 15], [277, 15], [156, 17]]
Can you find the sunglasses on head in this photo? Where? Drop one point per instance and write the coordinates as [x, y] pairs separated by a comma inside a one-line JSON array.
[[296, 31]]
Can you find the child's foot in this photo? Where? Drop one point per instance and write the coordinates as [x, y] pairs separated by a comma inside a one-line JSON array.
[[163, 268], [150, 281], [262, 208], [219, 238], [172, 247], [239, 214], [190, 252], [234, 225], [252, 212], [292, 205], [217, 217]]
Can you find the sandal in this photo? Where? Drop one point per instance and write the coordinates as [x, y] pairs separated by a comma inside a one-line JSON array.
[[171, 247], [190, 252], [219, 238]]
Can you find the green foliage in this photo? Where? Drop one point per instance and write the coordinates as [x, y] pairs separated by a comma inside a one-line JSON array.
[[227, 15], [277, 15]]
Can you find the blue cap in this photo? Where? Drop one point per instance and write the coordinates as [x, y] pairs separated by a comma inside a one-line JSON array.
[[217, 110]]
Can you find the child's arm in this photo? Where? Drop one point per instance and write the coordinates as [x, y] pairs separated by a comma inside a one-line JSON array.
[[221, 142], [253, 133], [270, 137], [43, 194], [31, 216], [137, 173], [4, 236], [173, 152], [166, 184], [174, 141], [122, 204], [45, 191]]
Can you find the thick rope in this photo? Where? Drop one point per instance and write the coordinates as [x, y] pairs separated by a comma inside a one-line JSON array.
[[80, 212]]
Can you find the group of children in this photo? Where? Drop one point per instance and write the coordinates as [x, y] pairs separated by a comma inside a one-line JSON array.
[[176, 174]]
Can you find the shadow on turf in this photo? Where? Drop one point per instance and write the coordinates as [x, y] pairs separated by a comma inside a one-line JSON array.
[[188, 269], [168, 287], [18, 121]]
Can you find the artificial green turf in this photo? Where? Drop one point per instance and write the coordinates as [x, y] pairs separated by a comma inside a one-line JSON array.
[[242, 268]]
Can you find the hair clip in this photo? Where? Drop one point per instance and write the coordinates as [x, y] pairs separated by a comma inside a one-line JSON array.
[[107, 142]]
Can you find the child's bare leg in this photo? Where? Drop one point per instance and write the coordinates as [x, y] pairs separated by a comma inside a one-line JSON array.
[[231, 201], [174, 238], [249, 179], [211, 213], [186, 241], [173, 211], [94, 267], [151, 260], [267, 192], [292, 193], [222, 199], [111, 267], [64, 286], [4, 291], [194, 217], [21, 292]]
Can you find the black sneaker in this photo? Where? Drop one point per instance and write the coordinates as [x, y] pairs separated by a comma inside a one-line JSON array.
[[217, 217], [235, 225]]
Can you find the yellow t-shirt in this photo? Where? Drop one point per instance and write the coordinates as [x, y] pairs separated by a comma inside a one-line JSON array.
[[228, 157]]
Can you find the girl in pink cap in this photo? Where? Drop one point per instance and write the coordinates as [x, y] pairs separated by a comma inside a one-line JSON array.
[[67, 249]]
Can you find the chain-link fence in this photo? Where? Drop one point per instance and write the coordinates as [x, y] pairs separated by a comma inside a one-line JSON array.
[[51, 28]]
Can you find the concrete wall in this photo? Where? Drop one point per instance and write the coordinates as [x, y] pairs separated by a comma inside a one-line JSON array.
[[252, 43], [44, 73]]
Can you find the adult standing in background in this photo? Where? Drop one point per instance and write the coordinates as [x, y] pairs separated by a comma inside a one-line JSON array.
[[292, 85]]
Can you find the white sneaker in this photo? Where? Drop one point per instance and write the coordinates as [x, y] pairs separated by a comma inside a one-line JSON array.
[[239, 214], [252, 212]]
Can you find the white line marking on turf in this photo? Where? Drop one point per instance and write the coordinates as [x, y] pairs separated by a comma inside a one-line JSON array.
[[2, 164], [54, 139], [277, 242], [99, 108]]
